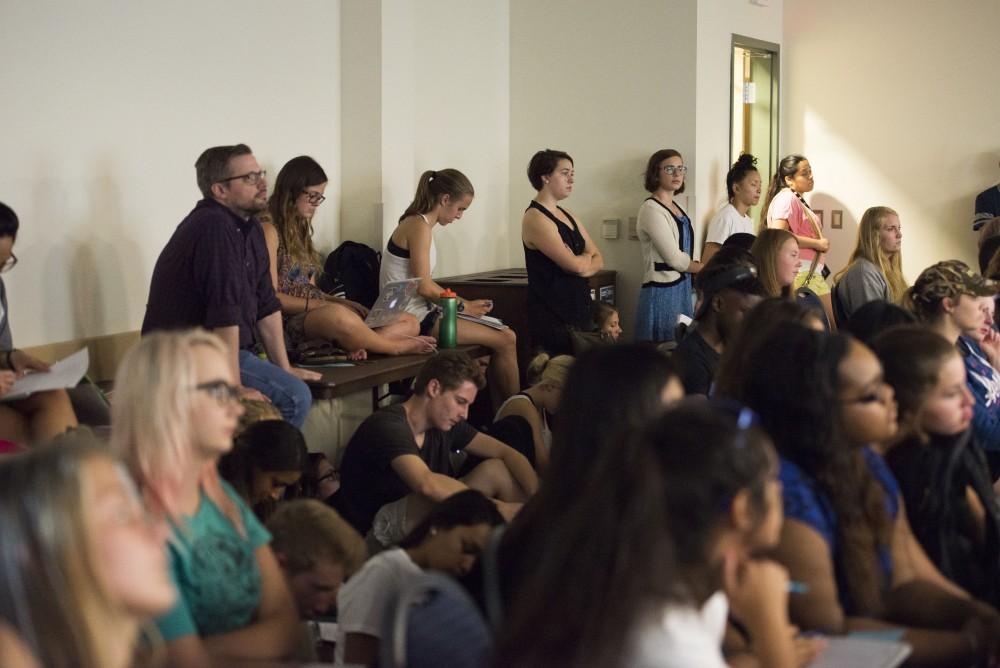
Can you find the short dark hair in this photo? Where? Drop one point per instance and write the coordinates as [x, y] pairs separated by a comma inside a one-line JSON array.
[[652, 179], [466, 508], [451, 368], [8, 222], [543, 163], [212, 165]]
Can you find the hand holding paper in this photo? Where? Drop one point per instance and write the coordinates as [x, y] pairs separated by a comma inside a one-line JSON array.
[[67, 372]]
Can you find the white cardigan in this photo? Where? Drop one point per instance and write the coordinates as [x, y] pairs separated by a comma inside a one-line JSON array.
[[659, 237]]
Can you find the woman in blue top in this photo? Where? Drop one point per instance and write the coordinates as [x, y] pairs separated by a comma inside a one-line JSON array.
[[667, 241], [823, 400], [175, 410]]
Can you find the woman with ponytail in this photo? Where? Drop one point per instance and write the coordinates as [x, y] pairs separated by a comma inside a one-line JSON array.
[[441, 199], [786, 208], [743, 188]]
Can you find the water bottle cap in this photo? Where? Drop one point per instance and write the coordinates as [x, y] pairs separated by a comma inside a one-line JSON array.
[[448, 292]]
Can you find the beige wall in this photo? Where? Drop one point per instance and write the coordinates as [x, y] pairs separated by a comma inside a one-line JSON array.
[[718, 20], [608, 85], [460, 111], [106, 106], [897, 108]]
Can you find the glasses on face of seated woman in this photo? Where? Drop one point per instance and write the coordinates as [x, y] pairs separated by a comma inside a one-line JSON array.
[[314, 198], [221, 391], [675, 169]]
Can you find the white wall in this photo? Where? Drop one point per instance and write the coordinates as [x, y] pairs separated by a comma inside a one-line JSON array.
[[106, 106], [718, 21], [461, 119], [610, 85], [898, 106], [428, 89]]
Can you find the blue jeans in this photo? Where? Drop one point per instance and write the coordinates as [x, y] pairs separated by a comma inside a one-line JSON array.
[[289, 395]]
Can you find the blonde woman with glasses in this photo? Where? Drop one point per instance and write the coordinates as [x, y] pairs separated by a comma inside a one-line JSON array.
[[174, 415], [82, 568]]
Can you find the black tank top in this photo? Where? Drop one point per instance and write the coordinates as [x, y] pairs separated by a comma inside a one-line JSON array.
[[566, 296]]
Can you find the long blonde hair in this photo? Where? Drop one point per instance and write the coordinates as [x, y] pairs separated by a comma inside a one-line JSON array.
[[765, 251], [546, 370], [50, 589], [151, 418], [867, 247]]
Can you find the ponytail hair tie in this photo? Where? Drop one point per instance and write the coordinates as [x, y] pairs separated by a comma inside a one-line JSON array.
[[433, 174]]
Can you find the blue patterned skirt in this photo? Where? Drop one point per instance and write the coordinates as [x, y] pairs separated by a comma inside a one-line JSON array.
[[659, 306]]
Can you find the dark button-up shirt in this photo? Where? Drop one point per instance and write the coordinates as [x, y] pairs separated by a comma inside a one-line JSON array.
[[214, 272]]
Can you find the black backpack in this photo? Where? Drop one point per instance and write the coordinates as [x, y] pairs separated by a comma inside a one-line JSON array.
[[352, 268]]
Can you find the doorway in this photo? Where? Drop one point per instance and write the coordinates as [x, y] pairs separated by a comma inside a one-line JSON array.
[[754, 119]]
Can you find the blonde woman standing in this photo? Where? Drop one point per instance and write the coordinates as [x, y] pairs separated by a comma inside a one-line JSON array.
[[876, 267], [175, 411]]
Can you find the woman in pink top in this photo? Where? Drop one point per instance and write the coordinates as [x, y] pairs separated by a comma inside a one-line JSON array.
[[786, 209]]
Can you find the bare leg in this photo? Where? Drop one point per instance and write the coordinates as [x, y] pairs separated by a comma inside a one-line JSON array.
[[13, 425], [407, 326], [503, 376], [48, 414], [334, 322], [494, 479]]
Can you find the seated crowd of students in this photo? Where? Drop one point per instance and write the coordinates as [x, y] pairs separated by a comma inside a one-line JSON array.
[[799, 462]]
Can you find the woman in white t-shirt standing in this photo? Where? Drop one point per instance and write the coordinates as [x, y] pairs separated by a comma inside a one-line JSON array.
[[743, 188]]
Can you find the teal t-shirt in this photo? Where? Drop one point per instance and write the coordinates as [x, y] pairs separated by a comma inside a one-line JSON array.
[[215, 571]]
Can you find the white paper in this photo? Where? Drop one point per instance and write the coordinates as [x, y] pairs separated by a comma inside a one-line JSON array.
[[67, 372], [328, 631], [848, 651]]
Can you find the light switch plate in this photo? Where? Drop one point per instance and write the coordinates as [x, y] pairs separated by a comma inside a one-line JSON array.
[[633, 232], [609, 229]]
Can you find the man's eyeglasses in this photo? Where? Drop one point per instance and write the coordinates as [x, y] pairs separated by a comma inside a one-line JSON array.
[[675, 169], [253, 178], [9, 264], [314, 198], [221, 391]]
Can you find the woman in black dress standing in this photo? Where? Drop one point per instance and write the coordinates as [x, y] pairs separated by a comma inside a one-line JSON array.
[[559, 256]]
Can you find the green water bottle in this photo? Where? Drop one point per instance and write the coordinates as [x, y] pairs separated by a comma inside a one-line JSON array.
[[448, 331]]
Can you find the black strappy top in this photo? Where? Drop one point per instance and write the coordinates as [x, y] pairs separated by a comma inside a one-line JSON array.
[[566, 296]]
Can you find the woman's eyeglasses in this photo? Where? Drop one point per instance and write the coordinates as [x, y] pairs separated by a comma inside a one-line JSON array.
[[221, 391], [314, 198]]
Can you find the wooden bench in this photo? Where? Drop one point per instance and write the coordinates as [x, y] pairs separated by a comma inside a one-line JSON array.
[[370, 374]]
